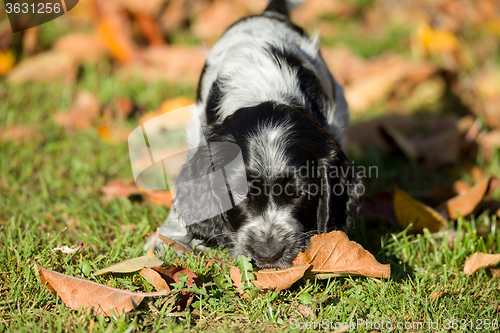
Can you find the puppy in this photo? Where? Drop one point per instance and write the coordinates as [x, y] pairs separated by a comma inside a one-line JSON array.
[[266, 90]]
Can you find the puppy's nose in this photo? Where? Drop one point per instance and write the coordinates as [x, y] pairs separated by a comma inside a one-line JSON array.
[[270, 255]]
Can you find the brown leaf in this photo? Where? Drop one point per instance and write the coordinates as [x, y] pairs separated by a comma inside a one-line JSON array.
[[333, 254], [159, 198], [495, 272], [170, 243], [173, 273], [460, 187], [405, 144], [47, 66], [409, 210], [216, 18], [435, 294], [174, 16], [441, 148], [480, 260], [274, 279], [81, 115], [179, 64], [149, 29], [154, 278], [77, 293], [119, 189], [464, 204], [113, 31], [81, 47], [20, 134], [487, 141]]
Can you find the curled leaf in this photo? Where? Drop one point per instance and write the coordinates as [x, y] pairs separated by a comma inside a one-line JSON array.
[[480, 260]]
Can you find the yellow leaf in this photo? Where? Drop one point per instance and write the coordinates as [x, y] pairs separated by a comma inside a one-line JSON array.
[[409, 210], [436, 40], [7, 61]]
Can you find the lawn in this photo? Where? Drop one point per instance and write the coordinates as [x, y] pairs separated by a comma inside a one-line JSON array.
[[50, 195]]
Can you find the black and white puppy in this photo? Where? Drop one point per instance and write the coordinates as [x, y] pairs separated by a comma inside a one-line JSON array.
[[266, 88]]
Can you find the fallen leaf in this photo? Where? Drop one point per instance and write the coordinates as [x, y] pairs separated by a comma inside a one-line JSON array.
[[305, 311], [216, 18], [131, 265], [80, 46], [149, 28], [70, 250], [113, 31], [460, 187], [409, 210], [440, 148], [436, 40], [480, 260], [135, 264], [78, 293], [81, 115], [47, 66], [174, 16], [119, 189], [154, 278], [170, 243], [274, 279], [174, 273], [405, 144], [159, 198], [334, 255], [179, 64], [7, 61], [489, 141], [465, 203], [435, 294], [20, 134], [495, 272]]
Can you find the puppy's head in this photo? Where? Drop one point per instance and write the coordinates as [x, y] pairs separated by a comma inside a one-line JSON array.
[[298, 183]]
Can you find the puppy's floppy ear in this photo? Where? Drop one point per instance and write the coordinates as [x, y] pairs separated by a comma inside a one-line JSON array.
[[340, 197], [205, 189]]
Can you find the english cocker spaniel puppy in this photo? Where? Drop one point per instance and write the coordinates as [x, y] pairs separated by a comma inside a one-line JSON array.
[[266, 96]]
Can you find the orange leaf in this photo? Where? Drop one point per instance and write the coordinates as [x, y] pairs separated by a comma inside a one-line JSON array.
[[272, 278], [160, 198], [465, 203], [78, 293], [81, 115], [409, 210], [333, 255], [154, 278], [480, 260], [119, 189], [7, 61], [436, 40]]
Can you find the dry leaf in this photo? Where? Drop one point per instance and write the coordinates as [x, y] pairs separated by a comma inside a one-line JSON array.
[[480, 260], [159, 198], [170, 243], [132, 265], [84, 110], [409, 210], [495, 272], [20, 134], [45, 66], [70, 250], [436, 40], [119, 189], [174, 16], [488, 141], [154, 278], [465, 203], [179, 64], [7, 61], [113, 31], [403, 143], [216, 18], [78, 293], [149, 29], [334, 255], [173, 273], [275, 279], [82, 47]]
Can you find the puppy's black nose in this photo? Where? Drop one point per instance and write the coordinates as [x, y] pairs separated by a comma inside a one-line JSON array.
[[269, 255]]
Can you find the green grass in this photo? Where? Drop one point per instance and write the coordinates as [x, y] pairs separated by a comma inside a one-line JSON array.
[[50, 196]]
